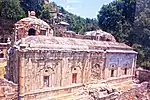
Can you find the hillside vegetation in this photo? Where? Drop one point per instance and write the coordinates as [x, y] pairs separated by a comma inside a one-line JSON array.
[[17, 9], [129, 22]]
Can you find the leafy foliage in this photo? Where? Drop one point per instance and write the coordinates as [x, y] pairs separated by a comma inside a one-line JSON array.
[[80, 25], [129, 21], [32, 5], [10, 9], [117, 18], [77, 23]]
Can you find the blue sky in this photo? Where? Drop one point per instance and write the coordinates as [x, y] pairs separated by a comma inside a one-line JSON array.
[[84, 8]]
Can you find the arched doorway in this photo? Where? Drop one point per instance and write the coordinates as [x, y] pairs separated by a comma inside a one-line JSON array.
[[32, 32]]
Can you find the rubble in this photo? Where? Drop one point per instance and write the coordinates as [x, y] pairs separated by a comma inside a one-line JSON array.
[[100, 93], [140, 92]]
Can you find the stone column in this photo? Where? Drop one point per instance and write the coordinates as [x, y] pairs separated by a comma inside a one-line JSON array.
[[134, 65], [21, 75], [104, 64], [65, 74]]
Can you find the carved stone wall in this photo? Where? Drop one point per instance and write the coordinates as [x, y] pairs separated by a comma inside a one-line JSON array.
[[97, 62], [119, 62], [8, 90], [58, 66], [42, 72]]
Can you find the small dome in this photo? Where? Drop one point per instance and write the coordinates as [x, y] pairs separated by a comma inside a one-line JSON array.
[[103, 36], [32, 26], [32, 21]]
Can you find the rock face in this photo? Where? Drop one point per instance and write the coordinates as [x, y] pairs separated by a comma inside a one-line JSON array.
[[8, 90]]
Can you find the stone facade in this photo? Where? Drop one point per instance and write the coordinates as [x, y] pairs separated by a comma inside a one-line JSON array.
[[45, 67], [43, 71], [8, 90]]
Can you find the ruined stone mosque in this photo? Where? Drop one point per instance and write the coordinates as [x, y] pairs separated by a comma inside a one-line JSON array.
[[45, 67]]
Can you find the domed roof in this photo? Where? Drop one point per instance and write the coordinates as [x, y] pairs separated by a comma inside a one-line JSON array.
[[32, 20], [100, 33]]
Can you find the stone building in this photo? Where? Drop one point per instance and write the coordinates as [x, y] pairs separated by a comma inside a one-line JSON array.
[[45, 66], [31, 26], [63, 26]]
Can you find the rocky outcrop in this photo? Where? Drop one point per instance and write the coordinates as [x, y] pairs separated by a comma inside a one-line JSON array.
[[138, 92], [8, 90]]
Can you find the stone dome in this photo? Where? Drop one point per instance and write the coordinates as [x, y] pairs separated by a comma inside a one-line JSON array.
[[32, 26], [32, 20], [101, 35]]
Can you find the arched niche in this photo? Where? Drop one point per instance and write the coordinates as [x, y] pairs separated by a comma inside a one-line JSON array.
[[96, 71], [48, 77], [31, 32], [96, 67], [125, 68], [113, 68], [76, 74]]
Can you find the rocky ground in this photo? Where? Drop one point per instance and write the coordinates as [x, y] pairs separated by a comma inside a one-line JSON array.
[[137, 92]]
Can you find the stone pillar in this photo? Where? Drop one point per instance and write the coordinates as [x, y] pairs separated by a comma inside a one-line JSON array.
[[86, 71], [65, 74], [21, 76], [104, 64], [134, 65]]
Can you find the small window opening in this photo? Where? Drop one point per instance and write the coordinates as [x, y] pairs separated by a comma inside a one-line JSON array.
[[107, 39], [1, 40], [112, 73], [1, 54], [74, 78], [75, 69], [32, 32], [46, 81], [43, 32], [125, 71], [5, 41], [46, 70]]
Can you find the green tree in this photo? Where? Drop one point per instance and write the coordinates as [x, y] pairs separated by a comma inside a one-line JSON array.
[[46, 14], [120, 19], [117, 18], [141, 32], [10, 9], [32, 5]]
